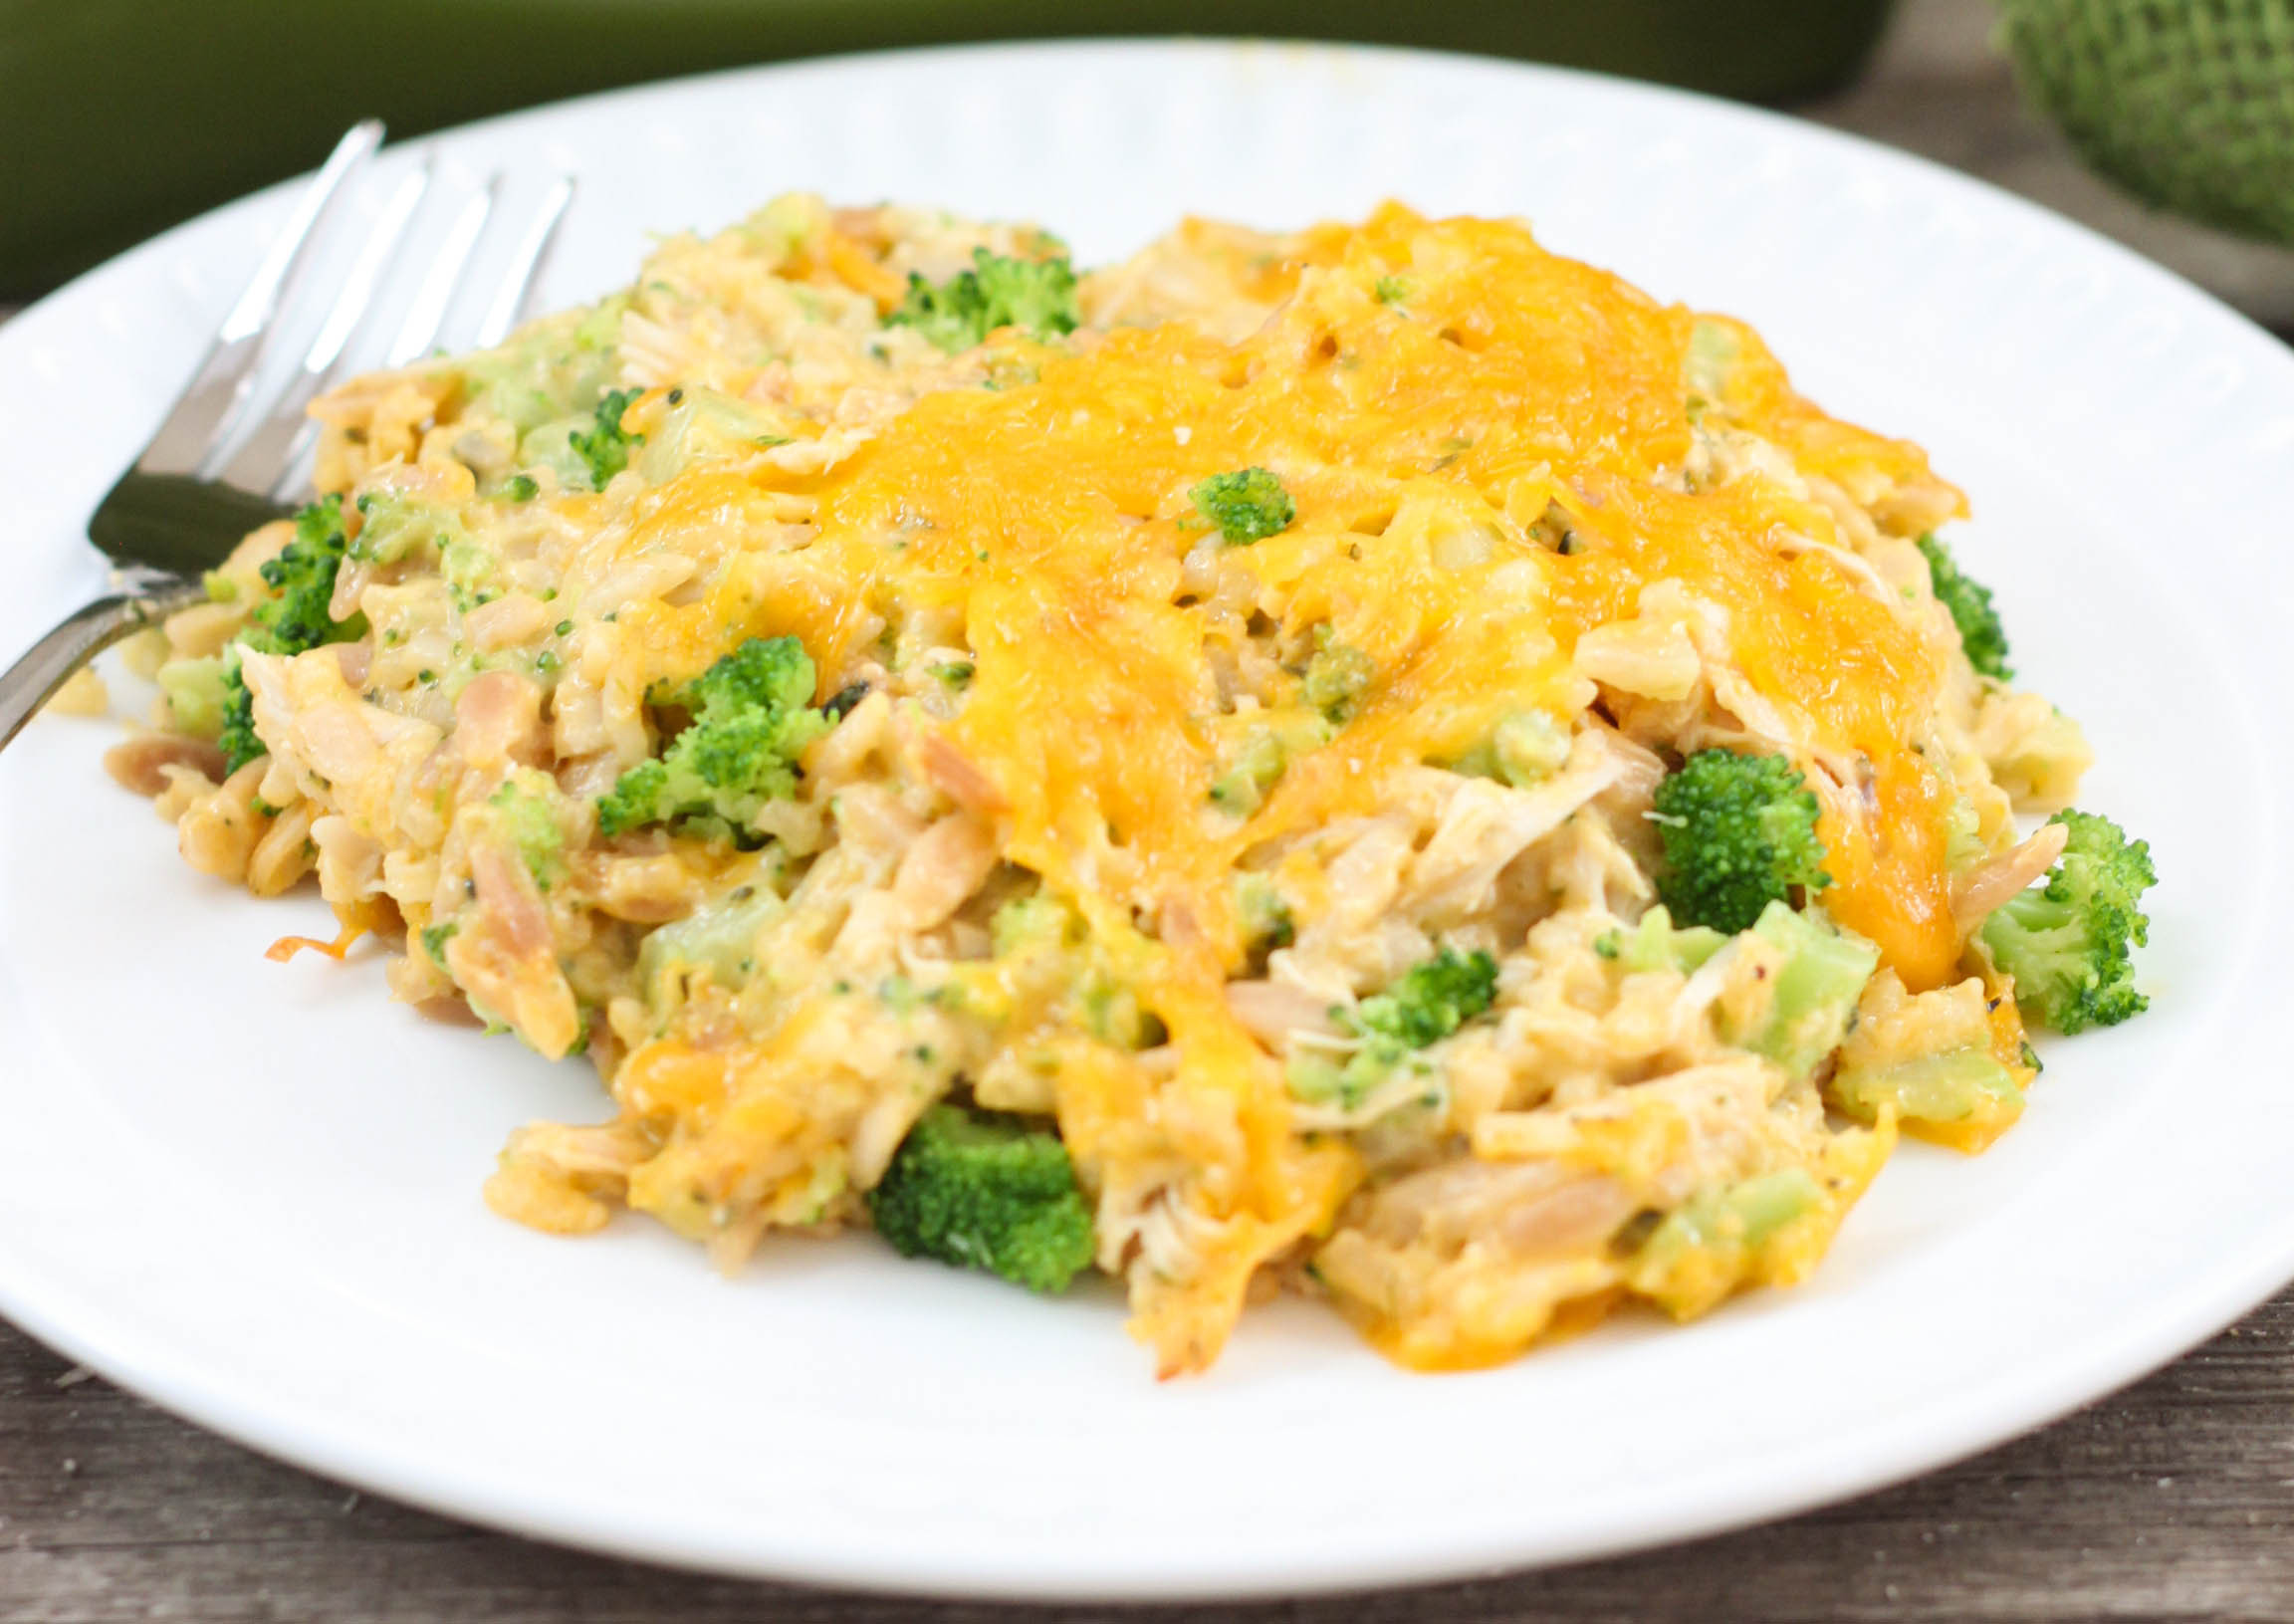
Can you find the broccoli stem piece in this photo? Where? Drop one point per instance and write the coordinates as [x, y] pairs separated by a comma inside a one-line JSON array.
[[2069, 942], [1966, 1092], [1822, 974], [1740, 833], [983, 1190], [1654, 944]]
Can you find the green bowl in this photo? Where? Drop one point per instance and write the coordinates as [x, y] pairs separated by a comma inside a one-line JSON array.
[[120, 117], [2187, 103]]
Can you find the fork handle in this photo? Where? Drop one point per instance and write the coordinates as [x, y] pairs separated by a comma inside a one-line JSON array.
[[26, 684]]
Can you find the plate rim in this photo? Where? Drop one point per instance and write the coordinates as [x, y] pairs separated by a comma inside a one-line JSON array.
[[2233, 1281]]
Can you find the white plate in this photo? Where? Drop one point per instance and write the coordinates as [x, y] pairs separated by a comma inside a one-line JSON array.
[[250, 1191]]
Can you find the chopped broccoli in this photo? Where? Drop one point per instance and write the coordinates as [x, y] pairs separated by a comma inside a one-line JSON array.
[[1425, 1006], [1255, 767], [302, 578], [1431, 1001], [1740, 833], [1821, 975], [752, 718], [1714, 1241], [605, 448], [393, 529], [527, 802], [718, 938], [293, 620], [1524, 750], [997, 292], [196, 694], [1654, 944], [983, 1190], [435, 938], [1337, 676], [548, 369], [1040, 920], [2067, 943], [1391, 290], [1247, 505], [1980, 633], [1960, 1085]]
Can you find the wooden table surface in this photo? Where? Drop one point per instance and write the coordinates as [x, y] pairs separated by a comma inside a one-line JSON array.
[[2174, 1499]]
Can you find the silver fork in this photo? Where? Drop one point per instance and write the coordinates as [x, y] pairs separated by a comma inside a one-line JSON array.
[[193, 493]]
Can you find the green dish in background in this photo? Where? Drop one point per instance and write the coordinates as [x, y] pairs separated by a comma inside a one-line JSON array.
[[118, 118]]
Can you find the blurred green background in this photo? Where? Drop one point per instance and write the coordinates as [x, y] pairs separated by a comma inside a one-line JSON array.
[[120, 117]]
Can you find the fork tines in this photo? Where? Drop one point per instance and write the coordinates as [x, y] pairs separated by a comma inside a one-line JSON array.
[[239, 424]]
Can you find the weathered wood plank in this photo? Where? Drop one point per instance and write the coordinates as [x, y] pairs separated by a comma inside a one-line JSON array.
[[2173, 1501]]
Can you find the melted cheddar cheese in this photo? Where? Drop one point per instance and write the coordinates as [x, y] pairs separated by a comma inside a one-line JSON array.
[[1523, 496]]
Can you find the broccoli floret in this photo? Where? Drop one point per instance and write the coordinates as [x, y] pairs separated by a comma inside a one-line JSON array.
[[1263, 913], [1431, 1001], [998, 292], [303, 577], [2068, 942], [1980, 633], [1247, 505], [1243, 787], [1740, 833], [295, 618], [1423, 1007], [236, 731], [718, 938], [983, 1190], [1958, 1087], [1712, 1242], [1259, 760], [1714, 352], [1523, 750], [1029, 922], [603, 446], [752, 718]]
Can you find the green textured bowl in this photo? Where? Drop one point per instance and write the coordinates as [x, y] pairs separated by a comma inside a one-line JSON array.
[[2187, 104], [120, 117]]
